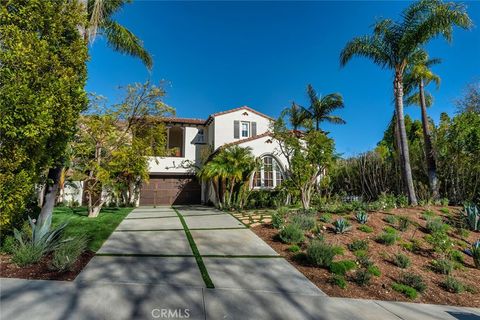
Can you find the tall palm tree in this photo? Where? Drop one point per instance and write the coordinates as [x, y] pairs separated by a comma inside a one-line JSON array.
[[100, 20], [321, 107], [417, 76], [296, 115], [392, 45]]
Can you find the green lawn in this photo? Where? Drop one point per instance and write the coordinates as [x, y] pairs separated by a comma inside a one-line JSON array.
[[98, 229]]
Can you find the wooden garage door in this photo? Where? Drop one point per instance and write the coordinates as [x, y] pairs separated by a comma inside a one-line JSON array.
[[168, 190]]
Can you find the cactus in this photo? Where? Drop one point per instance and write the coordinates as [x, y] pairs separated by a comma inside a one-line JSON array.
[[341, 226], [362, 217], [473, 217]]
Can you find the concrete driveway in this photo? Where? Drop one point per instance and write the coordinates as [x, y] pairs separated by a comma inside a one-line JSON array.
[[192, 246]]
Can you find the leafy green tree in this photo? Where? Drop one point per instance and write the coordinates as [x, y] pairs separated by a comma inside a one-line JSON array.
[[99, 20], [308, 156], [42, 76], [417, 76], [393, 45], [113, 144], [321, 107]]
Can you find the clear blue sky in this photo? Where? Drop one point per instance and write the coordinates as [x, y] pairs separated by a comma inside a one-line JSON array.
[[221, 55]]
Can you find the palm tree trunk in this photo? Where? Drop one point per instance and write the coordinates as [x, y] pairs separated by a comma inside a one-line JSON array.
[[398, 146], [405, 158], [429, 151]]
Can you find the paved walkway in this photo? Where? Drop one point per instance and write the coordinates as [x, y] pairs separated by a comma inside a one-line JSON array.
[[195, 263]]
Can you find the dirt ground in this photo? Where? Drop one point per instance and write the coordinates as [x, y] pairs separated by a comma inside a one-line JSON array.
[[381, 255]]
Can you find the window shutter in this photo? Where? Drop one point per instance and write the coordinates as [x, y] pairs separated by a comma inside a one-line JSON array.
[[254, 129], [236, 129]]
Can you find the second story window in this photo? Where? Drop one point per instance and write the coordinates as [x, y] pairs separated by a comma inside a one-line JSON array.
[[200, 136], [245, 129]]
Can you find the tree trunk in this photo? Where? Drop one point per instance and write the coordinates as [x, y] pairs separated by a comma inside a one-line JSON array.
[[398, 144], [305, 197], [51, 190], [429, 151], [405, 158]]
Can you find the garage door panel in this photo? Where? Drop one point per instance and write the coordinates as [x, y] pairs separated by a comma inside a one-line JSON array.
[[168, 190]]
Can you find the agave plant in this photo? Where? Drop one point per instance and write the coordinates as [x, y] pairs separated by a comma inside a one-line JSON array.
[[362, 217], [472, 216], [44, 239], [474, 252], [341, 226]]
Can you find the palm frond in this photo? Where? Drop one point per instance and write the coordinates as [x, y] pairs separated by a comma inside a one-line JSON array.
[[334, 119], [369, 47], [123, 40], [413, 99]]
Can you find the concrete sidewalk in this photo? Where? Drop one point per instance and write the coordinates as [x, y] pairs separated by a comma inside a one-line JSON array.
[[55, 300]]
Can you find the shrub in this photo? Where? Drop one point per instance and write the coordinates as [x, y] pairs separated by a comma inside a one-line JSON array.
[[362, 217], [304, 221], [326, 217], [413, 280], [68, 253], [445, 210], [291, 233], [403, 223], [358, 245], [389, 229], [342, 267], [427, 214], [339, 281], [364, 261], [401, 261], [9, 245], [387, 238], [435, 225], [365, 228], [294, 248], [402, 201], [440, 242], [387, 201], [362, 277], [27, 254], [341, 226], [390, 219], [374, 270], [412, 246], [408, 291], [457, 256], [321, 253], [442, 266], [453, 285], [277, 220]]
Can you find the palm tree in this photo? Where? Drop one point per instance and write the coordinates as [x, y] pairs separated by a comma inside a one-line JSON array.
[[296, 115], [321, 107], [233, 166], [392, 46], [100, 15], [417, 77]]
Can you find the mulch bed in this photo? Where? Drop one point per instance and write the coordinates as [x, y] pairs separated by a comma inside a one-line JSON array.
[[381, 255], [42, 270]]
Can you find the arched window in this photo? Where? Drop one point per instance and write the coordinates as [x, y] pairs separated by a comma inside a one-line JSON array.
[[269, 176]]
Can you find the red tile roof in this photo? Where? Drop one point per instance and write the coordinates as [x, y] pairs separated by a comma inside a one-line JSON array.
[[182, 120], [238, 109]]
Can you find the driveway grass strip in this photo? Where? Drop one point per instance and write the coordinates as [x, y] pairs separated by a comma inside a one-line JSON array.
[[144, 255], [196, 253], [138, 218], [137, 230]]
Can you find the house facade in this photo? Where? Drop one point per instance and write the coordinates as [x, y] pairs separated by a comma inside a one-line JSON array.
[[172, 178]]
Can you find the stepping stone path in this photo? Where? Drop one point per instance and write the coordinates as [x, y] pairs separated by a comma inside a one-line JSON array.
[[254, 218]]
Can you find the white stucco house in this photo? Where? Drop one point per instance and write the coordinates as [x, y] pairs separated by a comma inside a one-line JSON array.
[[172, 179]]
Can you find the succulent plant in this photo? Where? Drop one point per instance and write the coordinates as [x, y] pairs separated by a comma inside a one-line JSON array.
[[362, 217], [341, 226], [474, 252], [473, 217]]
